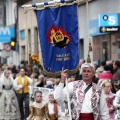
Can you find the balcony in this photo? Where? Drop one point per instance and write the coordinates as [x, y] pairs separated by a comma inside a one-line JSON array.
[[21, 2]]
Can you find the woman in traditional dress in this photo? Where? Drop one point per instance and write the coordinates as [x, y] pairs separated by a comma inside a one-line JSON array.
[[9, 108]]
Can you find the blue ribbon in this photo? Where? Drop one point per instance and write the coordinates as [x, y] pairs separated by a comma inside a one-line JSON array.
[[45, 3], [34, 5], [62, 1]]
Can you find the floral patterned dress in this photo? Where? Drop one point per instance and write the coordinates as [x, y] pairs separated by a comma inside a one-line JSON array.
[[9, 108]]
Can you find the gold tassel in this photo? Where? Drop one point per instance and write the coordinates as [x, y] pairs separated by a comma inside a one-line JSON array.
[[90, 47], [88, 58]]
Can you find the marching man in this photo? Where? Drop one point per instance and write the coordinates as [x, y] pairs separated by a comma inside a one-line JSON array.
[[21, 84], [87, 99]]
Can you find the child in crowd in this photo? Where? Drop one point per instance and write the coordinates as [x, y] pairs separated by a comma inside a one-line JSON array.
[[37, 109], [109, 99], [53, 111]]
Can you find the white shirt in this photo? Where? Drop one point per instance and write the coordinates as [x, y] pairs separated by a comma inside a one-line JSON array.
[[51, 109], [18, 87], [61, 93], [86, 106]]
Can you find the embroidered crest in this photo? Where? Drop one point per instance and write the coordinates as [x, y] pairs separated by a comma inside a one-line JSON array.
[[58, 37]]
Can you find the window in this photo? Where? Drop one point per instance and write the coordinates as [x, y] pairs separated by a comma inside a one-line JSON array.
[[36, 40], [29, 39], [22, 35]]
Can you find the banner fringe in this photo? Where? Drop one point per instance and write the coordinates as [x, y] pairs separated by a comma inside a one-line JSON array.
[[56, 74]]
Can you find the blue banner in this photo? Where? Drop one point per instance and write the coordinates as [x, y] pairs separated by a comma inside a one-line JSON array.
[[58, 33]]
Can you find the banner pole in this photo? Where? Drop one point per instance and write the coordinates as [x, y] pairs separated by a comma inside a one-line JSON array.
[[88, 33], [87, 15], [43, 3], [68, 99]]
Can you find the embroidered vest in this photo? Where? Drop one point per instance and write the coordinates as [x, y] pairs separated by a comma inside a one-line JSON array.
[[19, 81], [78, 97], [55, 109]]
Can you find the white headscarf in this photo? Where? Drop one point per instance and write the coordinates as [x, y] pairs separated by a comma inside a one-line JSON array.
[[87, 65], [3, 76]]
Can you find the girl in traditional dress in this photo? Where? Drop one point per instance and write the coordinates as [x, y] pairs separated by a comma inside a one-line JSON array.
[[9, 108], [37, 108], [109, 99]]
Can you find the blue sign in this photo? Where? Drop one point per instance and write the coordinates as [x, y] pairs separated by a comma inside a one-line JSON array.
[[109, 20], [94, 28], [6, 33]]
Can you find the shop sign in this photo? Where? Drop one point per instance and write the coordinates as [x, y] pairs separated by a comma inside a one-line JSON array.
[[109, 22]]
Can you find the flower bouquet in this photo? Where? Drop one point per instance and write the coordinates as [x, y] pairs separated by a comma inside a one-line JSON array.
[[34, 60]]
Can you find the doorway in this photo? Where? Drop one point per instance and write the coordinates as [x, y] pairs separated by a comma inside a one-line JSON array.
[[81, 48]]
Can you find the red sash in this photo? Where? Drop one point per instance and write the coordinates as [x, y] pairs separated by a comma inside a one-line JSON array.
[[86, 116]]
